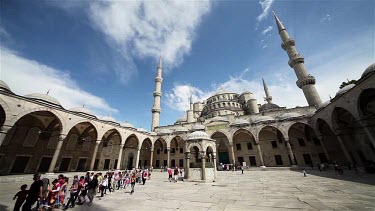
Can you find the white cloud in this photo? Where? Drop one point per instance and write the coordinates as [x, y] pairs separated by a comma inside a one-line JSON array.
[[266, 4], [26, 76], [141, 29], [268, 29], [326, 18]]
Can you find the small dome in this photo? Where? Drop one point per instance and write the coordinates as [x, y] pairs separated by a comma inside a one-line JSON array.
[[219, 119], [44, 98], [4, 86], [164, 132], [325, 104], [126, 124], [345, 89], [141, 130], [152, 133], [82, 110], [369, 69], [181, 130], [108, 119], [290, 115], [182, 119], [198, 135], [198, 127], [262, 119], [268, 106], [239, 122]]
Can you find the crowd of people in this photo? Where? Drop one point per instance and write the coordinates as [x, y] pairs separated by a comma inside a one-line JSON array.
[[47, 196]]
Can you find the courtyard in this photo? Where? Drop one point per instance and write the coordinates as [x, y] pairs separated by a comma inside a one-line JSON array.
[[254, 190]]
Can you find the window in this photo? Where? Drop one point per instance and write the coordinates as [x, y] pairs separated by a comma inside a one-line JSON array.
[[32, 137], [249, 146], [307, 159], [301, 142], [279, 160], [54, 140], [86, 144], [252, 161], [274, 144], [181, 150], [181, 163], [173, 150], [240, 160], [238, 147], [323, 158], [317, 142], [158, 151], [157, 164], [72, 142], [165, 151]]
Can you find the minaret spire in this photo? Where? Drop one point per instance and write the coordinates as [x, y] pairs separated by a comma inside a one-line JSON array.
[[268, 97], [157, 96], [305, 81]]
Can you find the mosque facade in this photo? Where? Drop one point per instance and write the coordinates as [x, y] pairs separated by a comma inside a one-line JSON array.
[[39, 135]]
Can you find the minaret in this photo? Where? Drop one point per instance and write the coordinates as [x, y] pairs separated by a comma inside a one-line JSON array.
[[305, 81], [190, 112], [157, 96], [268, 97]]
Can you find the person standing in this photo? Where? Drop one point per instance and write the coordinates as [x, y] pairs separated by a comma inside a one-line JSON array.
[[92, 189], [73, 193], [169, 170], [21, 197], [144, 176], [304, 173], [35, 192], [103, 186], [133, 181], [175, 174]]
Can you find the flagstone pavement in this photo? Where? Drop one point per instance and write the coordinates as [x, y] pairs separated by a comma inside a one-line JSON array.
[[254, 190]]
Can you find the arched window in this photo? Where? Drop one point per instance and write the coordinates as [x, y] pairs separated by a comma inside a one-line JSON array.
[[32, 137], [9, 135], [108, 148], [72, 142], [87, 144], [54, 140]]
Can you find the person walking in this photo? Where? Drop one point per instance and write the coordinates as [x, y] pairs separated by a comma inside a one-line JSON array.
[[35, 192], [133, 181], [175, 174], [103, 186], [304, 173], [169, 170], [92, 189], [82, 187], [21, 197], [73, 193], [144, 176]]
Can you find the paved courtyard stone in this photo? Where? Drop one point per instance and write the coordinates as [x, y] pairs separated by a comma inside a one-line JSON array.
[[254, 190]]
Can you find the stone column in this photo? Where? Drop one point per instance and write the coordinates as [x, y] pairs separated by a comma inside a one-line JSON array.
[[56, 154], [137, 161], [324, 147], [260, 154], [94, 155], [168, 157], [3, 133], [370, 136], [215, 165], [344, 150], [151, 157], [187, 164], [119, 157], [203, 156], [290, 151], [232, 154]]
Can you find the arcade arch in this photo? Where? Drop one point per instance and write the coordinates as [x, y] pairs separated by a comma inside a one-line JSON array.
[[177, 152], [160, 153], [272, 143], [145, 153], [130, 153], [245, 149], [224, 155]]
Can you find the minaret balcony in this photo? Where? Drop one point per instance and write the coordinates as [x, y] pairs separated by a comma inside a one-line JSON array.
[[159, 79], [298, 58], [289, 42], [156, 93], [308, 80], [155, 110]]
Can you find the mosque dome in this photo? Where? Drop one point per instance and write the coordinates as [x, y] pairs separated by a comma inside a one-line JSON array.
[[141, 130], [268, 106], [219, 119], [290, 115], [126, 124], [43, 98], [108, 119], [262, 119], [82, 110], [165, 131], [369, 69], [240, 122], [181, 130], [182, 119], [4, 86], [198, 127], [198, 135], [345, 89], [152, 133], [222, 102]]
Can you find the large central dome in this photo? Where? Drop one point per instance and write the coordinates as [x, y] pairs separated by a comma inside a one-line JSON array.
[[222, 102]]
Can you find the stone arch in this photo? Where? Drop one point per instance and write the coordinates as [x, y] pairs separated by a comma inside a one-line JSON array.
[[366, 103], [244, 148], [37, 127], [145, 153], [26, 112], [79, 121], [160, 153], [229, 137], [7, 112], [3, 116], [223, 145], [177, 150], [131, 146], [272, 144], [285, 134], [194, 144]]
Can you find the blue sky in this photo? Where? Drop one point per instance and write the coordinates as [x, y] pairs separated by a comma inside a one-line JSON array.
[[104, 54]]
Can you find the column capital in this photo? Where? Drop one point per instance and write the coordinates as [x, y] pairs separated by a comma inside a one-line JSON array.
[[152, 149], [168, 149], [62, 137], [286, 140], [122, 146], [97, 142], [5, 128]]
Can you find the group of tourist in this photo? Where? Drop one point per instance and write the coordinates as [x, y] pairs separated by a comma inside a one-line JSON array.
[[49, 196]]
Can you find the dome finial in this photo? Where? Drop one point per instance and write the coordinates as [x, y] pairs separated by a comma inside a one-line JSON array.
[[280, 26], [48, 91]]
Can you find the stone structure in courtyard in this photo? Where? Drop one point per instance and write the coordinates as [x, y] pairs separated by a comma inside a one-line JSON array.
[[39, 135]]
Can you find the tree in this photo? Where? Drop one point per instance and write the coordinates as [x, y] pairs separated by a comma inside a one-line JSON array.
[[344, 84]]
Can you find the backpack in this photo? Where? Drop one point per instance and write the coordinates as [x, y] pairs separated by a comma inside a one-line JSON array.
[[45, 187]]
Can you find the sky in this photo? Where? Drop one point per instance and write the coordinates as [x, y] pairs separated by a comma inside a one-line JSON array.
[[104, 54]]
